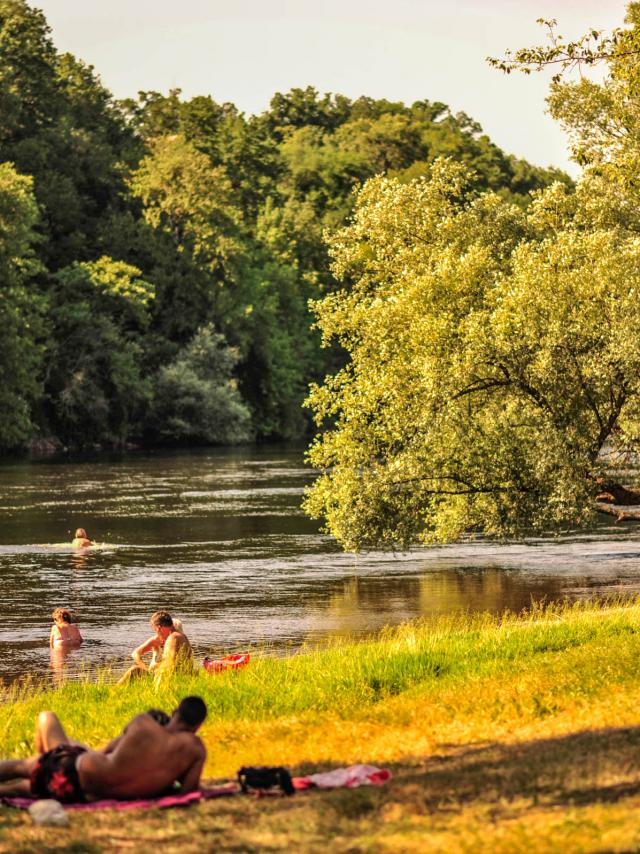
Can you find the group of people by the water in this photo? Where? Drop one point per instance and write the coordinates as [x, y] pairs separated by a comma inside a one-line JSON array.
[[155, 753], [168, 647]]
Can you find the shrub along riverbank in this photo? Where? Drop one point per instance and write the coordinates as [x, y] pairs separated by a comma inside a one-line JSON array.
[[521, 733]]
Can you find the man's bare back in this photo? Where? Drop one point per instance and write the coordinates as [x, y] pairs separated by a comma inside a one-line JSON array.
[[146, 761]]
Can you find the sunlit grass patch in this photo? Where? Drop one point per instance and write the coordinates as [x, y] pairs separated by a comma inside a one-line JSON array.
[[492, 726]]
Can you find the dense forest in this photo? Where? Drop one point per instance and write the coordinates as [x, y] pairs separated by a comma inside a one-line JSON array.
[[158, 255]]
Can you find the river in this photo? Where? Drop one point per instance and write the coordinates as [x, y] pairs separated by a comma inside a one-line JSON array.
[[218, 538]]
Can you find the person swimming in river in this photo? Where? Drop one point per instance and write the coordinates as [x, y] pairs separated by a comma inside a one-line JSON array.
[[64, 632], [169, 648], [81, 541]]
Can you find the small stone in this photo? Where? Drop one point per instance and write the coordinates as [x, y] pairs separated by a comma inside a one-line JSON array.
[[48, 812]]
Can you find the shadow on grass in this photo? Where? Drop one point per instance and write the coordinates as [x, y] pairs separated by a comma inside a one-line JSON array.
[[578, 769]]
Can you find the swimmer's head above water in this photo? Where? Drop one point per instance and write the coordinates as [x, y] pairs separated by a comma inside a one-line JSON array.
[[81, 540]]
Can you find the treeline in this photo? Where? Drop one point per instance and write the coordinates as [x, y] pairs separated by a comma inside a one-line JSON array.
[[157, 255]]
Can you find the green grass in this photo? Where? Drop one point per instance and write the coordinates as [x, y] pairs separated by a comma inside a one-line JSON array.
[[516, 733]]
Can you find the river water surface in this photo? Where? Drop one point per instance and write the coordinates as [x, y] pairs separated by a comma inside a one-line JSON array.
[[219, 539]]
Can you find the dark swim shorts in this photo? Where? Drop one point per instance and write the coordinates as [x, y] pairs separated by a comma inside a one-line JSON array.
[[55, 774]]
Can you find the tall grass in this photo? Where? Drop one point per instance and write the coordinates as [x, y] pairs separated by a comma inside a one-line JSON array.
[[505, 734], [344, 678]]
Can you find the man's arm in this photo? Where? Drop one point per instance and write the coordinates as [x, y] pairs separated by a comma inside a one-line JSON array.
[[143, 649], [190, 780], [111, 746]]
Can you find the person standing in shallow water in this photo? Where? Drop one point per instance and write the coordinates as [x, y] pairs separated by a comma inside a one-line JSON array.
[[81, 541], [64, 632], [169, 644]]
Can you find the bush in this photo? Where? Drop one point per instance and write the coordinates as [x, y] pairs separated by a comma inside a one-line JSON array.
[[196, 398]]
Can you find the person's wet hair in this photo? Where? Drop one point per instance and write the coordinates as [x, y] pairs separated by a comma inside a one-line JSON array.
[[63, 614], [192, 711], [81, 534], [161, 618]]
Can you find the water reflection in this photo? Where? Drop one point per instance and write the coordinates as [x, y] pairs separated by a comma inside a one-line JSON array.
[[218, 539], [59, 659]]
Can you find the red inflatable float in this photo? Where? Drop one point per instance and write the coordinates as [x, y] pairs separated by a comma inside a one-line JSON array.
[[227, 662]]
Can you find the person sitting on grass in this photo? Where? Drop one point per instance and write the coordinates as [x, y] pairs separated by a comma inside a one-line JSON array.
[[169, 646], [64, 632], [145, 761], [81, 541]]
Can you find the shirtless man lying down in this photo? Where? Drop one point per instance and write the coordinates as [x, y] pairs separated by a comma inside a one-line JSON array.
[[144, 762]]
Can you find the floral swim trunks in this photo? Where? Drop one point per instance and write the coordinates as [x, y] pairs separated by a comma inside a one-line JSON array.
[[55, 774]]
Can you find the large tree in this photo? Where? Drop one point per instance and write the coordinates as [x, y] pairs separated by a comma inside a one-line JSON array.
[[495, 361], [494, 374]]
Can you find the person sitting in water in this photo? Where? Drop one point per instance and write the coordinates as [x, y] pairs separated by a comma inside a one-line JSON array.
[[169, 646], [81, 541], [145, 761], [64, 632]]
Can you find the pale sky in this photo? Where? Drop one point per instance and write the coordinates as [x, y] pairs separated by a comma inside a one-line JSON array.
[[246, 50]]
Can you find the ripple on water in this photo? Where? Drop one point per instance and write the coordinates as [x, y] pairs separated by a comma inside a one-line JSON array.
[[219, 538]]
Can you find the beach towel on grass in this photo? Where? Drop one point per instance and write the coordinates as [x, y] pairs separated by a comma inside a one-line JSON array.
[[164, 802], [344, 778], [339, 778]]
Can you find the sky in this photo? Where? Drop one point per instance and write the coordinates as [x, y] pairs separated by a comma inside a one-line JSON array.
[[405, 50]]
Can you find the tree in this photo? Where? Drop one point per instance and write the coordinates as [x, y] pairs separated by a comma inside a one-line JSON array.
[[21, 311], [493, 382], [494, 373], [196, 399], [191, 202], [95, 382], [61, 127]]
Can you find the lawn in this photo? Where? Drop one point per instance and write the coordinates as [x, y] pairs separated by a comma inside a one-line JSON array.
[[512, 734]]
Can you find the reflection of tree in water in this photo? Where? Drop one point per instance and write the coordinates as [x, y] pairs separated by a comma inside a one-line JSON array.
[[482, 589], [366, 604], [363, 602]]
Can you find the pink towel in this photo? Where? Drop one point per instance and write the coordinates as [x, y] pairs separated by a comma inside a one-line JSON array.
[[345, 778], [164, 802]]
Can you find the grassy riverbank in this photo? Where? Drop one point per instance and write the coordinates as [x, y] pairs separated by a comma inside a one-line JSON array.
[[503, 735]]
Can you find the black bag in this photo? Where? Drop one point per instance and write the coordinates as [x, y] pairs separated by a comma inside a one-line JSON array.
[[265, 777]]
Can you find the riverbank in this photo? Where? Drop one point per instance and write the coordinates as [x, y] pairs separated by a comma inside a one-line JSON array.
[[520, 733]]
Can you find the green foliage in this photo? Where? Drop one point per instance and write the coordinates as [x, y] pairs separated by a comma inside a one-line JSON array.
[[494, 355], [95, 385], [20, 312], [214, 218], [195, 398], [62, 127], [494, 373]]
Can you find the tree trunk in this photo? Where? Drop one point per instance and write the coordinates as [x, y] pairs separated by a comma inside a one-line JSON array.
[[614, 493], [618, 501]]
